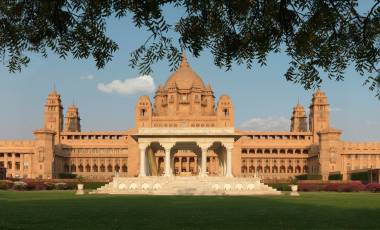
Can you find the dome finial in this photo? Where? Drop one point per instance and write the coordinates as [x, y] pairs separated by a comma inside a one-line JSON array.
[[184, 63]]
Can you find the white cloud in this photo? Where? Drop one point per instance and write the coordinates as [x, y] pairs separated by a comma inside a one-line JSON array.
[[87, 77], [266, 124], [141, 84]]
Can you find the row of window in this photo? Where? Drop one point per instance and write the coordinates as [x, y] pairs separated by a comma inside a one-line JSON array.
[[93, 137], [363, 156], [274, 169], [17, 155], [267, 161], [97, 150], [274, 151], [9, 165], [281, 137], [176, 125], [95, 168]]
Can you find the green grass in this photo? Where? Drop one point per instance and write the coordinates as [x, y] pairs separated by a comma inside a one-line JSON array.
[[64, 210]]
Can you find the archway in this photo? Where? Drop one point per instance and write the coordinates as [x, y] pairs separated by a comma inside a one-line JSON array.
[[185, 159], [154, 160]]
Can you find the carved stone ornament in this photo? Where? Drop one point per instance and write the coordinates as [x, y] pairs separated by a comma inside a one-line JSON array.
[[41, 154], [333, 151]]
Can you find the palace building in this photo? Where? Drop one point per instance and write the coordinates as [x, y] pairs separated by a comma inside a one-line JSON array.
[[183, 131]]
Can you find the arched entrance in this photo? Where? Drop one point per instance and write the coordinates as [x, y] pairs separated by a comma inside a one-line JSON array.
[[185, 159]]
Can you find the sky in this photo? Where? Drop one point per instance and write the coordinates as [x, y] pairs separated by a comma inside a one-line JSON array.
[[262, 98]]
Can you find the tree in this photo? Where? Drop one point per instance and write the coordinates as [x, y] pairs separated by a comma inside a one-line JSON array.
[[320, 36]]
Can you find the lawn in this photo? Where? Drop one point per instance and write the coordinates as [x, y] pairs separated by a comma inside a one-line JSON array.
[[64, 210]]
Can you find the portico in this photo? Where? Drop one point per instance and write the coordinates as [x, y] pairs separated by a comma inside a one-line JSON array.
[[185, 151]]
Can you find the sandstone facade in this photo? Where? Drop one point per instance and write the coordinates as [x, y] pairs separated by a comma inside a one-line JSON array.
[[185, 131]]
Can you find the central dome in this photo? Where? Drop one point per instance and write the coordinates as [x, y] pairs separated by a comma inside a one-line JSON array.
[[184, 78]]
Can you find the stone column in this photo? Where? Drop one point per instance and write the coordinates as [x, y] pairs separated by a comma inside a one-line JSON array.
[[14, 164], [187, 164], [204, 161], [142, 149], [195, 165], [167, 161], [22, 165], [6, 163], [180, 165], [229, 161]]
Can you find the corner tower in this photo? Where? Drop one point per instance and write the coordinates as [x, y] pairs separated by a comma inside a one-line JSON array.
[[53, 115], [143, 112], [72, 120], [319, 118], [298, 120]]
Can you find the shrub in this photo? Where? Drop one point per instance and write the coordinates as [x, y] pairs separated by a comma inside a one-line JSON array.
[[6, 184], [35, 185], [310, 187], [374, 187], [60, 186], [362, 176], [95, 185], [281, 186], [66, 186], [20, 185], [309, 177], [354, 186], [336, 177], [72, 185], [50, 186], [67, 176]]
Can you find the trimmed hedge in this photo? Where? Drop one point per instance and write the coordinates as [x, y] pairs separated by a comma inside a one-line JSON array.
[[374, 187], [362, 176], [309, 177], [335, 177], [93, 185], [281, 186], [6, 184], [354, 186], [29, 184], [67, 176]]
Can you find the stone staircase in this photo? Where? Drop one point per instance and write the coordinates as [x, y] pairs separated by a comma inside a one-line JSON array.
[[192, 185]]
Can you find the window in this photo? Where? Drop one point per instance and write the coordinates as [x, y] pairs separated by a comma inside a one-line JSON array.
[[66, 168], [109, 168], [124, 168], [102, 168], [9, 165], [225, 112], [95, 168], [88, 168], [197, 98], [117, 168], [143, 111]]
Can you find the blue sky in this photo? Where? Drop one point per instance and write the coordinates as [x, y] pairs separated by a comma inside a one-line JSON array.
[[263, 99]]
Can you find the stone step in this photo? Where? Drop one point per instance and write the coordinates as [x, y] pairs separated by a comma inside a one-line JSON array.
[[187, 186]]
